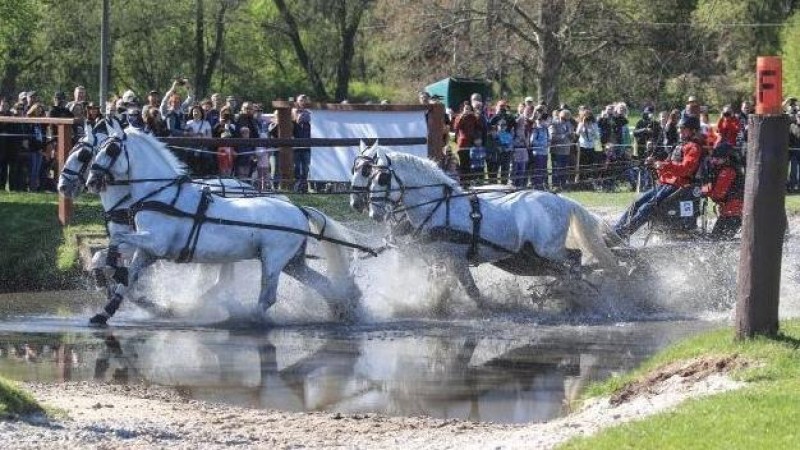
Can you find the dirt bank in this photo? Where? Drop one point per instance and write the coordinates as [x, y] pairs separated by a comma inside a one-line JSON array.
[[111, 416]]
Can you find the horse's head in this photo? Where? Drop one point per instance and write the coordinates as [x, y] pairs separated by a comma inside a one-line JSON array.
[[385, 188], [111, 162], [73, 175], [360, 179]]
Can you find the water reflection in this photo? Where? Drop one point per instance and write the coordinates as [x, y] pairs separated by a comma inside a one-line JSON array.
[[444, 373]]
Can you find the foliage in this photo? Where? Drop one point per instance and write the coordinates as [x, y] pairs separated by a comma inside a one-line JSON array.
[[790, 50], [762, 415]]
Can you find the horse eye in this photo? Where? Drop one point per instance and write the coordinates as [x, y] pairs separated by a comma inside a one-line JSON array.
[[113, 150], [365, 170], [85, 155]]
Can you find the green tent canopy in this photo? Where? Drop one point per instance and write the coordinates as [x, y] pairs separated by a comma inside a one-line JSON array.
[[455, 91]]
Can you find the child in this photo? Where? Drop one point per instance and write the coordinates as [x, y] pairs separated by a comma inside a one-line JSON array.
[[225, 156], [449, 162], [520, 165], [477, 159], [244, 157], [262, 166]]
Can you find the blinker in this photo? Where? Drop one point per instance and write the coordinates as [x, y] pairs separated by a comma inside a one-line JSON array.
[[384, 178], [84, 155], [113, 150]]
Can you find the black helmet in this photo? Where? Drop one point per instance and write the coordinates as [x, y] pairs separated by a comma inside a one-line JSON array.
[[690, 122]]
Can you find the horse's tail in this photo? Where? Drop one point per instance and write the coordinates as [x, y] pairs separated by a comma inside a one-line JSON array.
[[338, 257], [593, 234]]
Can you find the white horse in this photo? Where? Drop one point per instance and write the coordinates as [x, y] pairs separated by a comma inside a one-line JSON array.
[[529, 233], [116, 200], [178, 221]]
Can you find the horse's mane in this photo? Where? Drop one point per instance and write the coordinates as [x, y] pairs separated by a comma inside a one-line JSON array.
[[426, 171], [159, 150]]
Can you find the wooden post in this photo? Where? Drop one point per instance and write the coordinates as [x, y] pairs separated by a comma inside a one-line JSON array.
[[286, 154], [764, 215], [436, 131], [63, 145]]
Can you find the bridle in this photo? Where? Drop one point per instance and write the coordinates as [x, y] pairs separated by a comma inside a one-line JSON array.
[[85, 156], [114, 148]]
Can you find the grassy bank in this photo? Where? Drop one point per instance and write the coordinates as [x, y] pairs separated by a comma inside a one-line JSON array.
[[764, 414], [14, 401]]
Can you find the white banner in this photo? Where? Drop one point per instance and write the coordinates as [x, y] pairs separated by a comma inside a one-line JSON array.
[[336, 163]]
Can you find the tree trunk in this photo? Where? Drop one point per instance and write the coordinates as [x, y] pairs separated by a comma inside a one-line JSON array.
[[348, 32], [8, 83], [216, 52], [293, 33], [550, 56]]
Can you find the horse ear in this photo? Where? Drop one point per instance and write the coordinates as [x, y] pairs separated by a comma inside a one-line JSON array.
[[362, 146], [380, 156], [88, 133], [118, 132]]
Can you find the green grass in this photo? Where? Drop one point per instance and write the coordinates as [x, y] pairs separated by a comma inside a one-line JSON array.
[[762, 415], [335, 205], [37, 254], [14, 401]]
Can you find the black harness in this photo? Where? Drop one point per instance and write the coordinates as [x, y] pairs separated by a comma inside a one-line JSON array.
[[382, 175]]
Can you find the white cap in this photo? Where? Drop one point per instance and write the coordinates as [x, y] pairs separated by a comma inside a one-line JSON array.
[[129, 96], [529, 100]]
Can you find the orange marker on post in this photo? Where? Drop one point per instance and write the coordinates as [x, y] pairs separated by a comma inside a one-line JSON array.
[[769, 85]]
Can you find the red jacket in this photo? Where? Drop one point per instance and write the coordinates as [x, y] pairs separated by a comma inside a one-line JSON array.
[[466, 127], [728, 129], [681, 168], [730, 204]]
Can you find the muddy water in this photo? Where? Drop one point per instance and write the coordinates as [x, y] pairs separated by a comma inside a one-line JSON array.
[[500, 369]]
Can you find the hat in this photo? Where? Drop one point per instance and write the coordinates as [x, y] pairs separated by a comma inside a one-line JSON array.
[[22, 95], [529, 100], [691, 98], [128, 96], [30, 94], [154, 92]]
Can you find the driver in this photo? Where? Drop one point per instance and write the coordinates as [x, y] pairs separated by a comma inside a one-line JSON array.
[[726, 188], [676, 172]]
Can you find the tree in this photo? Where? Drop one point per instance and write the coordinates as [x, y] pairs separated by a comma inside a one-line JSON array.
[[790, 50]]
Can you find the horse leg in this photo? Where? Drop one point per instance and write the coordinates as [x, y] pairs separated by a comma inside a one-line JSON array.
[[269, 289], [341, 303], [140, 261], [225, 273], [464, 276]]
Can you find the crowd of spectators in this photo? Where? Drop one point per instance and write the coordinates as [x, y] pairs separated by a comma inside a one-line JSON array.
[[551, 148], [27, 151]]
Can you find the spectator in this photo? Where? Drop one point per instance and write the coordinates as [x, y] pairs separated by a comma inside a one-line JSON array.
[[744, 128], [154, 99], [692, 108], [247, 119], [670, 134], [793, 183], [707, 130], [520, 158], [502, 125], [201, 161], [232, 103], [466, 127], [225, 156], [59, 106], [7, 143], [153, 123], [540, 147], [449, 162], [477, 158], [225, 123], [134, 116], [78, 96], [92, 114], [561, 132], [262, 169], [22, 99], [173, 111], [588, 135], [244, 157], [36, 147], [301, 120], [646, 130]]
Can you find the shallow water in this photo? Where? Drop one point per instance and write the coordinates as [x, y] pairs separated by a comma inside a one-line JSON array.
[[488, 370], [409, 353]]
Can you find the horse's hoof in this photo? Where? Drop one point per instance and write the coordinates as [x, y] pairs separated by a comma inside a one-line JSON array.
[[99, 320]]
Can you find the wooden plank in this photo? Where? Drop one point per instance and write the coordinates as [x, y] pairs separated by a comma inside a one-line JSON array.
[[43, 120], [352, 107], [63, 147], [290, 142]]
